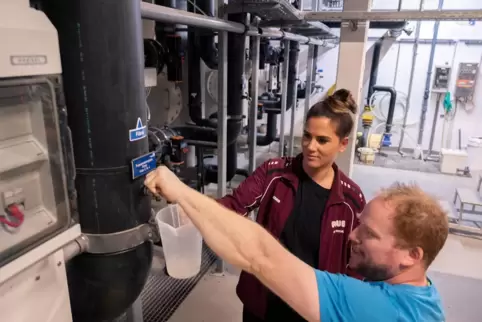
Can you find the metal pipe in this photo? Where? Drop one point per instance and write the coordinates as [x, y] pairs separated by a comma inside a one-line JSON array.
[[295, 47], [412, 77], [428, 79], [75, 247], [309, 79], [374, 70], [175, 16], [434, 126], [284, 96], [254, 103]]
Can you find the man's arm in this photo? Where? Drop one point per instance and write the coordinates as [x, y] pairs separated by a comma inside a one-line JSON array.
[[244, 244], [248, 194]]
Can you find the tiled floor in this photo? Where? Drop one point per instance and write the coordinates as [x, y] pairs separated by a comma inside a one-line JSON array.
[[457, 271]]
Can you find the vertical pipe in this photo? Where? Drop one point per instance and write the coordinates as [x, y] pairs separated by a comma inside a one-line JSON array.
[[428, 79], [294, 46], [254, 103], [434, 126], [284, 96], [309, 79], [222, 120], [374, 68], [412, 77]]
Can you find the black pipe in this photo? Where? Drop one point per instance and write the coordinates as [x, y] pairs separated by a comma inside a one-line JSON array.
[[391, 108], [211, 170], [205, 44], [373, 24], [374, 68], [103, 77], [268, 138], [292, 73], [208, 134]]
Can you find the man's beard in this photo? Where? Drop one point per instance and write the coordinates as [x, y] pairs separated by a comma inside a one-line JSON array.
[[373, 272]]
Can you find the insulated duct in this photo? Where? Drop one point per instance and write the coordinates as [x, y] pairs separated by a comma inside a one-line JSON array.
[[103, 78]]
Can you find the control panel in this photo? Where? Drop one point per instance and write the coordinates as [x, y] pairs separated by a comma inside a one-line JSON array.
[[465, 84], [33, 197], [441, 79]]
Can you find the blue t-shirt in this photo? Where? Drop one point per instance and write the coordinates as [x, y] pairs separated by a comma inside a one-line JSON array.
[[343, 298]]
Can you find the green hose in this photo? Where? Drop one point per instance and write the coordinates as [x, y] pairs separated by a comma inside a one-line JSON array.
[[447, 102]]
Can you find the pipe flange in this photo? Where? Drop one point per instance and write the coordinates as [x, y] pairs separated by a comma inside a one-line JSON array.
[[120, 241]]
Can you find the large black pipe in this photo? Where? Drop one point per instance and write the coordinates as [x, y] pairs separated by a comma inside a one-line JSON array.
[[103, 75], [374, 69], [270, 136], [391, 108], [205, 45], [236, 63]]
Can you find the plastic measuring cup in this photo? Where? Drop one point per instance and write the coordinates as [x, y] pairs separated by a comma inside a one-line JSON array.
[[181, 242]]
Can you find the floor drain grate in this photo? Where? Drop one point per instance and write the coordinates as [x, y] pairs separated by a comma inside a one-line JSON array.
[[162, 294]]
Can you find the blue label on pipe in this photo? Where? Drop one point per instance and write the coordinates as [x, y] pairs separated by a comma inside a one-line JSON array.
[[143, 165], [139, 132]]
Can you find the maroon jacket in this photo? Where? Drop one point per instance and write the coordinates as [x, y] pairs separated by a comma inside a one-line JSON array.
[[272, 188]]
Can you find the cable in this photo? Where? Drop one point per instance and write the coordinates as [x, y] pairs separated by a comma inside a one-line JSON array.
[[15, 213]]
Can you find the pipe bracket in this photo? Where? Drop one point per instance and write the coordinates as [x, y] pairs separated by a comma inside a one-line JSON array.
[[120, 241]]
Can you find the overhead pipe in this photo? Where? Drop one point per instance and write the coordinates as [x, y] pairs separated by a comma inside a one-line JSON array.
[[373, 24], [175, 16], [105, 95], [428, 79]]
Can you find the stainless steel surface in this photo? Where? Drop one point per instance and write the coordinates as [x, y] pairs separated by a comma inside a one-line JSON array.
[[222, 119], [120, 241], [134, 313], [254, 103], [175, 16], [284, 91], [162, 294], [385, 15], [291, 142], [309, 79]]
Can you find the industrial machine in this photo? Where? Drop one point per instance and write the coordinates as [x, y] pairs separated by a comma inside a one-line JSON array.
[[91, 100]]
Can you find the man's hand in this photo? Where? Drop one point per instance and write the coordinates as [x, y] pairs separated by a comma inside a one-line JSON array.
[[164, 183]]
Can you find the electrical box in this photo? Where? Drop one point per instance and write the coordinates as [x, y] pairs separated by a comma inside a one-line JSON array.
[[465, 84], [34, 204], [441, 79]]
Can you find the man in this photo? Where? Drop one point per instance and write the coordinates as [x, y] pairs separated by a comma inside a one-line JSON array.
[[306, 202], [401, 232]]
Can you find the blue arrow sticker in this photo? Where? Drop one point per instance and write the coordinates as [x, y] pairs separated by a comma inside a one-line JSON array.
[[139, 132]]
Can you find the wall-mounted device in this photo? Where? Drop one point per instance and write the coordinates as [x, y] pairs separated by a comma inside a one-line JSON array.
[[441, 79], [465, 84]]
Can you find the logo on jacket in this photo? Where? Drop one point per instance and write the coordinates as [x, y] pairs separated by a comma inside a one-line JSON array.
[[336, 225]]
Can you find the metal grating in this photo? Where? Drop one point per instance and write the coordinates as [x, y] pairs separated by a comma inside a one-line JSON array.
[[162, 294]]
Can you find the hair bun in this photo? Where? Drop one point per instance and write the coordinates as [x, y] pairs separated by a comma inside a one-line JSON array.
[[345, 97]]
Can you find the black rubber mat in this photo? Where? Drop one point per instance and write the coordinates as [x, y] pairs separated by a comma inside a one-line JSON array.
[[162, 294]]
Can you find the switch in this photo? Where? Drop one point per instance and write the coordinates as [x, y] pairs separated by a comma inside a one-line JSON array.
[[14, 196]]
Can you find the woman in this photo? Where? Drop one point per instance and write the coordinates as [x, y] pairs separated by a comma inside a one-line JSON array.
[[306, 202]]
